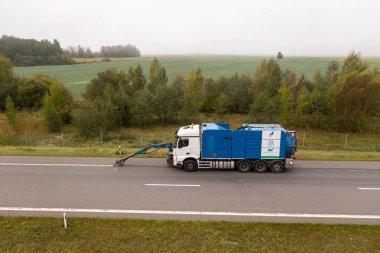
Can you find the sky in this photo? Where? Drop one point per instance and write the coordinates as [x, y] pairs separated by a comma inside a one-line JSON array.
[[179, 27]]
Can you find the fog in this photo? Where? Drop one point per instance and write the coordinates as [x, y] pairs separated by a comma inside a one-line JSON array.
[[295, 27]]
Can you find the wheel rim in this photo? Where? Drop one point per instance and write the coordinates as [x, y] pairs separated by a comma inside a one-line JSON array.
[[190, 166], [277, 167]]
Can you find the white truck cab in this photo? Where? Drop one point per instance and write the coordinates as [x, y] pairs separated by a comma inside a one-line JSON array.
[[187, 145]]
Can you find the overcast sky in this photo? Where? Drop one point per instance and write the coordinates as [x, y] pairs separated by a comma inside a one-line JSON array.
[[235, 27]]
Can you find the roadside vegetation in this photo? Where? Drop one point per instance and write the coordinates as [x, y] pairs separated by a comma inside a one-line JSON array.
[[335, 110], [31, 136], [21, 234]]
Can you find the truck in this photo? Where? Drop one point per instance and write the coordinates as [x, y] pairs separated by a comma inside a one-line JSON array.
[[257, 147]]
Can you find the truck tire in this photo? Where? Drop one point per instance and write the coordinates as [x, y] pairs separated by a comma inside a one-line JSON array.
[[244, 166], [260, 166], [170, 161], [277, 167], [190, 166]]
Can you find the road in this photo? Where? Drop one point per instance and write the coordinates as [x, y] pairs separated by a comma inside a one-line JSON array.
[[314, 191]]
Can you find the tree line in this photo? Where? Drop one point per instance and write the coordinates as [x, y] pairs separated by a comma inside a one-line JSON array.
[[30, 52], [105, 51], [346, 97]]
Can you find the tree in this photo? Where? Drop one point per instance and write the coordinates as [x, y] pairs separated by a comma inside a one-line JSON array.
[[212, 92], [290, 78], [319, 107], [267, 77], [57, 106], [304, 82], [285, 104], [178, 86], [157, 76], [239, 93], [356, 94], [302, 107], [136, 78], [193, 95], [141, 108], [6, 80], [280, 56], [109, 94], [221, 105], [25, 52], [165, 105], [353, 63], [10, 112], [112, 78], [86, 119], [32, 90], [332, 73], [120, 51], [357, 97]]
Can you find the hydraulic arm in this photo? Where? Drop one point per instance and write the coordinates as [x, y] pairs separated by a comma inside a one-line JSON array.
[[155, 147]]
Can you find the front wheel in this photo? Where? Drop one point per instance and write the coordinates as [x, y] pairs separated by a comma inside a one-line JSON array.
[[190, 166], [170, 161]]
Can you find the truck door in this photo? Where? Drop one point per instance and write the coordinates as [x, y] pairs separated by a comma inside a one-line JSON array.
[[183, 149]]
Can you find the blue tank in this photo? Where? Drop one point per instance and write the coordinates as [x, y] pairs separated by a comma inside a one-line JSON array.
[[250, 141]]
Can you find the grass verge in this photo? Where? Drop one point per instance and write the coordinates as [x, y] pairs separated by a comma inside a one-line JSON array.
[[97, 151], [26, 234]]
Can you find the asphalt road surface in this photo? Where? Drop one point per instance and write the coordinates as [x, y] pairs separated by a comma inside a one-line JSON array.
[[314, 191]]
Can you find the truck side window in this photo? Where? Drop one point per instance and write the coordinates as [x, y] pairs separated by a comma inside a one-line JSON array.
[[183, 143]]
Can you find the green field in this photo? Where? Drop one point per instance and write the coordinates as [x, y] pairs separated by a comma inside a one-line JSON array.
[[77, 76], [21, 234]]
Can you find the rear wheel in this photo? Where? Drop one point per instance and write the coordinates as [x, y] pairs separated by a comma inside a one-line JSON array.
[[277, 167], [190, 166], [260, 166], [244, 166]]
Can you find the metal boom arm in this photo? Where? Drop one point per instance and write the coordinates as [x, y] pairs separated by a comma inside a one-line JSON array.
[[169, 145]]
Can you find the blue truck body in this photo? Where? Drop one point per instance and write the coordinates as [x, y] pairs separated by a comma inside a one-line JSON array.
[[251, 141]]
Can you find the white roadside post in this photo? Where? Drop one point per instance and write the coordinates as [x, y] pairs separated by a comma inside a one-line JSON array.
[[64, 221]]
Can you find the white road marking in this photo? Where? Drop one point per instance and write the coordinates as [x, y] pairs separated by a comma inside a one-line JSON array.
[[174, 185], [370, 189], [55, 164], [344, 170], [205, 213]]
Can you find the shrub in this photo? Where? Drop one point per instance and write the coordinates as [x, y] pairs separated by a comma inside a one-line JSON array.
[[57, 107]]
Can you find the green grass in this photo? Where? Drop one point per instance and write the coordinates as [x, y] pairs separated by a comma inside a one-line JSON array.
[[21, 234], [94, 151], [77, 76]]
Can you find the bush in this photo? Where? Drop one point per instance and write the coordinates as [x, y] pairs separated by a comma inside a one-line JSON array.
[[85, 119], [32, 90], [57, 107], [11, 112], [52, 119]]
